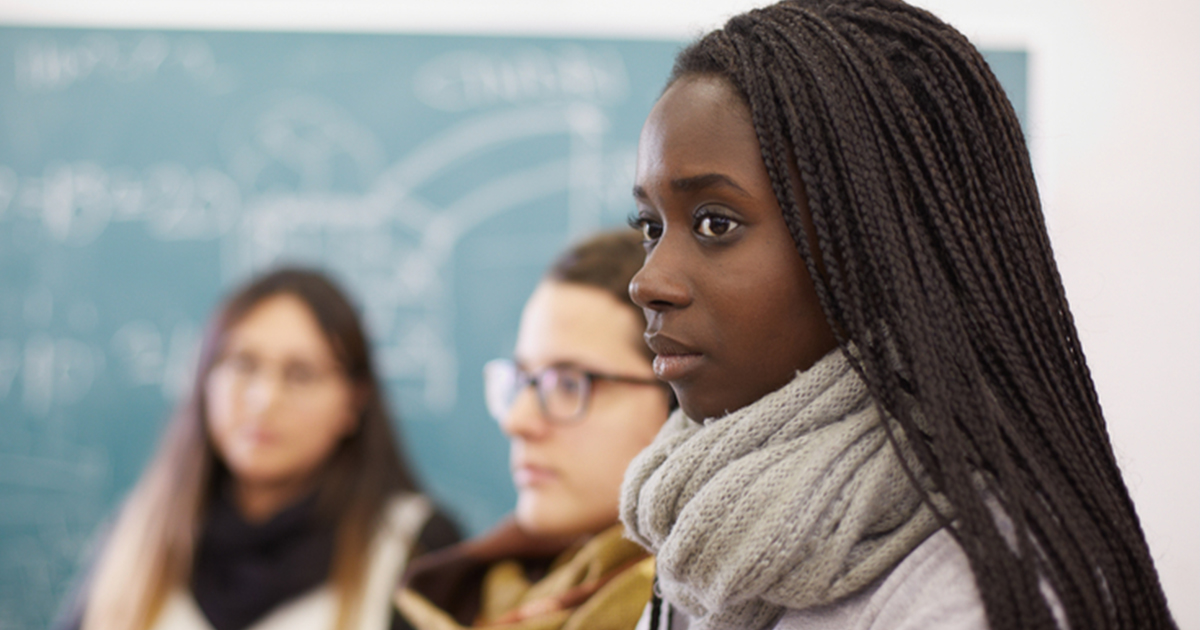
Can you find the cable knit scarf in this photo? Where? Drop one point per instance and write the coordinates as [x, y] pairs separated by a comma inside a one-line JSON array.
[[794, 501]]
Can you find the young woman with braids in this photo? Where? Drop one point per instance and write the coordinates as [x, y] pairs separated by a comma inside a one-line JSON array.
[[886, 417]]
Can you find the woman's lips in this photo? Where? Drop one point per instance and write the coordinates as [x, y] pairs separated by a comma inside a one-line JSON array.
[[673, 360], [259, 438], [673, 367], [528, 475]]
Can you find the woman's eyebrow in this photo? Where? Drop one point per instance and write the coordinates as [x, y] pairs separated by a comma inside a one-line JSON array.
[[695, 183]]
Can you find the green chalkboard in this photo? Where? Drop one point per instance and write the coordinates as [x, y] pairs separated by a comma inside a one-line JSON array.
[[143, 174]]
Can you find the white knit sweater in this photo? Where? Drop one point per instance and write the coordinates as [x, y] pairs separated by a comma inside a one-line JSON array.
[[931, 589]]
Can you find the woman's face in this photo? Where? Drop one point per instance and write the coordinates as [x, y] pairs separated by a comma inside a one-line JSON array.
[[568, 476], [731, 310], [277, 399]]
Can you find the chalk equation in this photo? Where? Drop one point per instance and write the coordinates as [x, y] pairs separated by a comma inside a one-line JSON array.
[[470, 79], [76, 201], [50, 65]]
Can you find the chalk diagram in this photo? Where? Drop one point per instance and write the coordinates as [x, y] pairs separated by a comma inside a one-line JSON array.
[[399, 248]]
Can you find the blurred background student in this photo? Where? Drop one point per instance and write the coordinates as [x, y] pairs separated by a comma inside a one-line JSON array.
[[577, 402], [278, 498]]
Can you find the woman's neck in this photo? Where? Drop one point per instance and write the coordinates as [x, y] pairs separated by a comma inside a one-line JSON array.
[[258, 502]]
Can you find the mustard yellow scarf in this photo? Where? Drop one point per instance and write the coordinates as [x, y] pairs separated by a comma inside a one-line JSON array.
[[602, 584]]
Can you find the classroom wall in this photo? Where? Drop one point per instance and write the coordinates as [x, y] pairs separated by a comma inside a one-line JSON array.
[[1115, 134]]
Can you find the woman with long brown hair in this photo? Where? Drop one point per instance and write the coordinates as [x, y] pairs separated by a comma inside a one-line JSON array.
[[278, 498]]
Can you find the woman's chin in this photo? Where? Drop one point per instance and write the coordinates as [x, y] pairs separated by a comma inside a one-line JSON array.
[[536, 518], [543, 520]]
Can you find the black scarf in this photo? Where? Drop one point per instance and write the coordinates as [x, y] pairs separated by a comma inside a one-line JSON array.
[[243, 570]]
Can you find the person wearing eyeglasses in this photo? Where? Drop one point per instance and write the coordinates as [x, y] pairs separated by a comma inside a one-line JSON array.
[[578, 400], [278, 498]]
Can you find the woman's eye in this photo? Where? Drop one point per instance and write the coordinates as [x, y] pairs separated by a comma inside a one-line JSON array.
[[241, 364], [651, 230], [714, 225], [300, 374], [570, 385]]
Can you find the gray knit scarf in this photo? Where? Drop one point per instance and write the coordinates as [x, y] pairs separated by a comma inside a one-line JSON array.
[[794, 501]]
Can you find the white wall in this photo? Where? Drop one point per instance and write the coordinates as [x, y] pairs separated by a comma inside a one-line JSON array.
[[1115, 133]]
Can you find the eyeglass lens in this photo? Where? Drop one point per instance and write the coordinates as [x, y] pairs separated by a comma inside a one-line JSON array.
[[562, 391]]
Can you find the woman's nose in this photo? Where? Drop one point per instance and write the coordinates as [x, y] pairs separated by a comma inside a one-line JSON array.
[[524, 418], [661, 284], [263, 392]]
